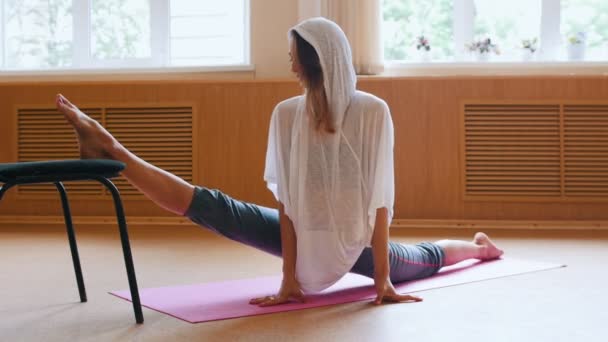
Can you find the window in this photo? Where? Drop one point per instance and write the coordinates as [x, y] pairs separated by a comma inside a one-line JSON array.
[[451, 28], [91, 34], [208, 31], [406, 20]]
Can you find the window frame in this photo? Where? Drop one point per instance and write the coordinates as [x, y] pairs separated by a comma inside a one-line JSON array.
[[515, 68], [160, 45]]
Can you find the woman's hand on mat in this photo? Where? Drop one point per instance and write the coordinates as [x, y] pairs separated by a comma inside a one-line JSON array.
[[386, 293], [290, 289]]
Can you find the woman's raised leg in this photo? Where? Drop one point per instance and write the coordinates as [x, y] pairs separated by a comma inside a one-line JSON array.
[[163, 188]]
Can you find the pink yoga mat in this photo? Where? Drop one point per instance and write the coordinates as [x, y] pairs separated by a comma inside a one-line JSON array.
[[230, 299]]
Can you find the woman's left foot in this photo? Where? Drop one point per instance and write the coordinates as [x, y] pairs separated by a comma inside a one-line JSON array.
[[490, 251], [93, 140]]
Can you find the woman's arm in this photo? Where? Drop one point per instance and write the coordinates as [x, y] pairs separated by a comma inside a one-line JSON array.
[[290, 288], [380, 247], [288, 245], [384, 288]]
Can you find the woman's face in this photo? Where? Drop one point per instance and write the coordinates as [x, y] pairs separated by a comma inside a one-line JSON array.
[[293, 59]]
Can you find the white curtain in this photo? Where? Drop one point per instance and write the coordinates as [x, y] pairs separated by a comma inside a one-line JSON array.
[[361, 20]]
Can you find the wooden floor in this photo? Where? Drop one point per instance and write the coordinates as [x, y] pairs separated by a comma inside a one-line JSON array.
[[39, 299]]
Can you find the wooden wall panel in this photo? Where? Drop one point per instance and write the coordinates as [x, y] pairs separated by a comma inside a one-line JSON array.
[[232, 123]]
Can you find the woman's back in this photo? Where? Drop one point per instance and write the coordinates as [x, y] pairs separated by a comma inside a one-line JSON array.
[[335, 182]]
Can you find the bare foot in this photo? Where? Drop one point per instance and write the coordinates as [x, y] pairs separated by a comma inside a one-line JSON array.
[[490, 251], [93, 140]]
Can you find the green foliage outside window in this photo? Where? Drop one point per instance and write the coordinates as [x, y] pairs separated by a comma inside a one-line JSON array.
[[37, 34], [406, 20], [119, 31], [508, 24]]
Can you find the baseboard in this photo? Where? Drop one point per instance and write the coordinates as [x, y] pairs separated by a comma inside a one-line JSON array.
[[93, 220], [396, 224], [501, 224]]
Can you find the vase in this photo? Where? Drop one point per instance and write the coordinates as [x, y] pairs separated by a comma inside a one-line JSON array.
[[482, 56], [527, 55], [424, 55], [576, 52]]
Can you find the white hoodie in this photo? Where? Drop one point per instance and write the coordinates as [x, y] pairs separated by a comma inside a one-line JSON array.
[[331, 184]]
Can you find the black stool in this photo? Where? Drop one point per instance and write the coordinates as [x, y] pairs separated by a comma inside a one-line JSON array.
[[57, 172]]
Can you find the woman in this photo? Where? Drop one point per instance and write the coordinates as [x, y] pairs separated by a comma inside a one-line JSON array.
[[330, 166], [329, 163]]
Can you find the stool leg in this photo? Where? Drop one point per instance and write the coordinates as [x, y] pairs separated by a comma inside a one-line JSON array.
[[126, 248], [4, 189], [67, 215]]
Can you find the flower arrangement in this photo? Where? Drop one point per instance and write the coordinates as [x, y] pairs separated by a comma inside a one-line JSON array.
[[483, 46], [576, 46], [577, 39], [529, 45], [422, 43]]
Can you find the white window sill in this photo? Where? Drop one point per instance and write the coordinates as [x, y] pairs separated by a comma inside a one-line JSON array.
[[435, 69], [129, 74]]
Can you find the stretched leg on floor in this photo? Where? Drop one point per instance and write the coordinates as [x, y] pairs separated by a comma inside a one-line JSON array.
[[481, 248]]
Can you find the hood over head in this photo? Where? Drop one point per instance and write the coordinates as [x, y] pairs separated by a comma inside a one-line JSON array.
[[331, 44]]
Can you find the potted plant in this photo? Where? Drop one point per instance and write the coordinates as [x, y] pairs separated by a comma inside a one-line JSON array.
[[424, 48], [529, 48], [483, 48], [576, 46]]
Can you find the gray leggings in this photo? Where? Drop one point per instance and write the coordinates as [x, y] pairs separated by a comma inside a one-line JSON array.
[[259, 227]]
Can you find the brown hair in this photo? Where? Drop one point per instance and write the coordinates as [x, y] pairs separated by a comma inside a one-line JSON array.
[[312, 78]]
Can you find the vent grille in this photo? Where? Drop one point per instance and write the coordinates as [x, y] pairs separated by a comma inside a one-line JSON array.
[[586, 150], [512, 150], [541, 151], [159, 135]]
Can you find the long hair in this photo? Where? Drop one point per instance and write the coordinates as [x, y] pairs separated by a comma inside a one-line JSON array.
[[312, 79]]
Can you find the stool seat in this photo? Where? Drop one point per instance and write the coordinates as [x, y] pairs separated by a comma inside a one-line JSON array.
[[58, 170]]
